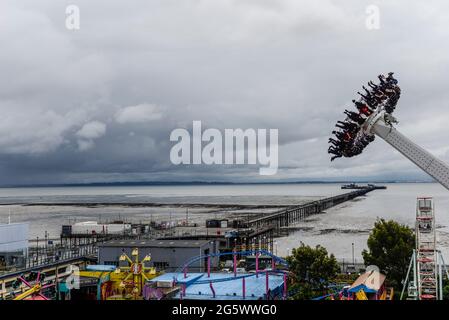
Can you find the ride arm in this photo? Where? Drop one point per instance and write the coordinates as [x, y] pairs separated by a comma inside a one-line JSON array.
[[28, 293], [422, 158]]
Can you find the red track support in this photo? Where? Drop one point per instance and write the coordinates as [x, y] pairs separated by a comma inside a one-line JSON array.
[[212, 289], [183, 291]]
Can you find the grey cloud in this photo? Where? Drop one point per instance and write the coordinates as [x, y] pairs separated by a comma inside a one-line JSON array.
[[139, 113], [144, 68]]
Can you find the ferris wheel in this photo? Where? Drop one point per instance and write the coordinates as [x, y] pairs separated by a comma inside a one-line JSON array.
[[35, 286]]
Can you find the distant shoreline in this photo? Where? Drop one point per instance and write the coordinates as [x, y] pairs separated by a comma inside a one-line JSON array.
[[198, 183], [233, 206]]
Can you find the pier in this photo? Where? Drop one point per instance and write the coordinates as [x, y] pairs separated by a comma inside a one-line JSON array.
[[292, 215], [261, 231]]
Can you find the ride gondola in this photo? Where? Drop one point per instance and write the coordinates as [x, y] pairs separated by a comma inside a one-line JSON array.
[[350, 140]]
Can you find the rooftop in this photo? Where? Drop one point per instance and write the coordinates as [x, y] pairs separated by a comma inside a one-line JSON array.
[[155, 243], [226, 286], [370, 281]]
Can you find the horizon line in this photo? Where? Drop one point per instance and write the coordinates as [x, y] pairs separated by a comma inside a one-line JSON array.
[[196, 182]]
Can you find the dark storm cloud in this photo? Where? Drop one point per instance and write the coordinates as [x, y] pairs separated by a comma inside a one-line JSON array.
[[99, 103]]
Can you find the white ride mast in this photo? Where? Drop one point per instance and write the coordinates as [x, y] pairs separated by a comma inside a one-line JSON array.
[[381, 124]]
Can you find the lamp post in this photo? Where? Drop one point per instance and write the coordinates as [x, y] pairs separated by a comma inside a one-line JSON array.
[[353, 259], [37, 250]]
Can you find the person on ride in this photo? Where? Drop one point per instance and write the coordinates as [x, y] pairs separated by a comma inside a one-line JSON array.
[[348, 126], [354, 116], [337, 143], [390, 77], [340, 135], [347, 137], [365, 97], [336, 156], [373, 85], [333, 150], [359, 105], [333, 141], [343, 125], [365, 111]]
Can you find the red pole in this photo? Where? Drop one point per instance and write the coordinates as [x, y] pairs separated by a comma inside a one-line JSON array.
[[243, 287], [183, 290], [273, 264], [185, 272], [208, 267]]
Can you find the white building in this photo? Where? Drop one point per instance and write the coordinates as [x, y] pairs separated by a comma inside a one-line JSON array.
[[93, 227], [13, 244]]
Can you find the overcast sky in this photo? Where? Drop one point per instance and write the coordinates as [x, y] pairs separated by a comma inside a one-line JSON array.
[[98, 104]]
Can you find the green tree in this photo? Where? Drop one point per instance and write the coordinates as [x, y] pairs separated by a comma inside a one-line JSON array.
[[390, 246], [445, 288], [312, 268]]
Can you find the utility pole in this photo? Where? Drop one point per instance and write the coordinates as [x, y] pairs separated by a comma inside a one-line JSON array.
[[353, 259]]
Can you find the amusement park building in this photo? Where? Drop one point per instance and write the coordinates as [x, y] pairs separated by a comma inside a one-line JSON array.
[[168, 255], [13, 244]]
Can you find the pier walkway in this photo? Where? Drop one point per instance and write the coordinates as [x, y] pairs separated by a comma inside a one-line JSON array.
[[291, 215]]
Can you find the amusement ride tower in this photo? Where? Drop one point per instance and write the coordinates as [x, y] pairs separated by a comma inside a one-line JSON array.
[[425, 273], [424, 278]]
